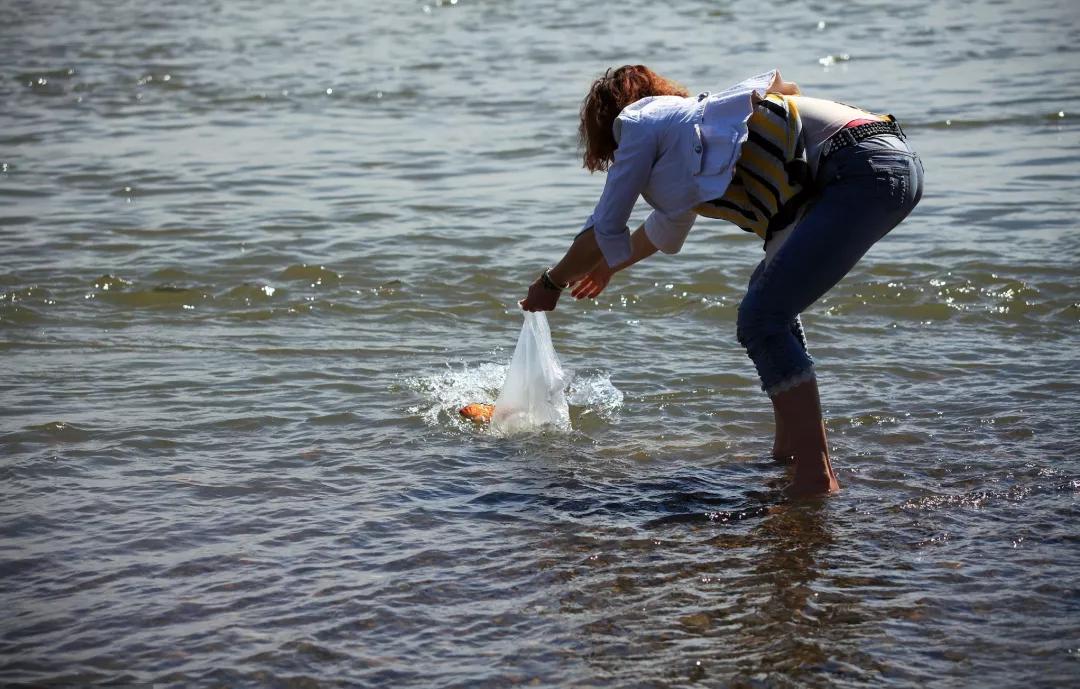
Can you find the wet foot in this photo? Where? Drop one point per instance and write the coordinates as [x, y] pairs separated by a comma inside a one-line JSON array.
[[808, 488]]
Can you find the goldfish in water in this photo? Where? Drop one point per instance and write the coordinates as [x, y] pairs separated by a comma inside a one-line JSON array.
[[480, 413]]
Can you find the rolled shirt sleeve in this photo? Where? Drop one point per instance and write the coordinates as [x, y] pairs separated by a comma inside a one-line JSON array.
[[668, 232], [626, 179]]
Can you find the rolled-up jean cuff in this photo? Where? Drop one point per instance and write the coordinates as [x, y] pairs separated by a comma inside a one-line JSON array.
[[794, 380]]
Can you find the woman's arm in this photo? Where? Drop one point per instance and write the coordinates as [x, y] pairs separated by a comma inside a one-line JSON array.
[[585, 265], [607, 237], [582, 255], [597, 279], [579, 258]]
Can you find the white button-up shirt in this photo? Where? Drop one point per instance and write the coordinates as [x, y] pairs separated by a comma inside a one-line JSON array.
[[675, 152]]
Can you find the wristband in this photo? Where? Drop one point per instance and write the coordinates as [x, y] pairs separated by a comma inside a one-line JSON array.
[[547, 282]]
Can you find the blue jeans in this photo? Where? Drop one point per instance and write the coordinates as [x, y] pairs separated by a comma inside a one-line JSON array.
[[864, 191]]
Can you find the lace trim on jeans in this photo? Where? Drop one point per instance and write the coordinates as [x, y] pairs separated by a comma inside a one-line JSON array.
[[794, 381]]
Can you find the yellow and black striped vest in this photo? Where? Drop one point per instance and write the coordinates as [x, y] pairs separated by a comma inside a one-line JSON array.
[[772, 178]]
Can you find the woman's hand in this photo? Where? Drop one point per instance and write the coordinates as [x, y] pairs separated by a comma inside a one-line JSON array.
[[784, 88], [540, 297], [594, 282]]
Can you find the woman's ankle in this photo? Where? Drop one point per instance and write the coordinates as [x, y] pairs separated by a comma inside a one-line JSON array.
[[813, 472], [812, 481], [797, 489]]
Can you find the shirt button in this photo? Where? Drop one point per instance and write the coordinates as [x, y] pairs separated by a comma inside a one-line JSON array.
[[697, 149]]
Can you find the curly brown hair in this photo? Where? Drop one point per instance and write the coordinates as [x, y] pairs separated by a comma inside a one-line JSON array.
[[607, 96]]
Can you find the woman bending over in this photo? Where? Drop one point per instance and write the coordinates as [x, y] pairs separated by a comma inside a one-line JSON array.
[[820, 182]]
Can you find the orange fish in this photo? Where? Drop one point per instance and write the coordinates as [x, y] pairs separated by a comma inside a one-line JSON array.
[[480, 413]]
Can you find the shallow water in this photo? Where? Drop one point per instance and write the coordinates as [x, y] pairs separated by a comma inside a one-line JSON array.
[[256, 255]]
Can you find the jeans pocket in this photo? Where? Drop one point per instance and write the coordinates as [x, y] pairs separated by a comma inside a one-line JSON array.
[[892, 176]]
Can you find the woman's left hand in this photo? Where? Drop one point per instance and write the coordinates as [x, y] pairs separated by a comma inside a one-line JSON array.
[[540, 298], [594, 283]]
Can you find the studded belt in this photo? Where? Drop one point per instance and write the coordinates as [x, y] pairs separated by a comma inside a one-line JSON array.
[[853, 135]]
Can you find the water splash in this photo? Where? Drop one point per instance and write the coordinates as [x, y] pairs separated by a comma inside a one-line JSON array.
[[447, 391], [596, 393]]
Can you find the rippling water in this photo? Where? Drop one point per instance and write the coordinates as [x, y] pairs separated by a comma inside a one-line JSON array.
[[255, 254]]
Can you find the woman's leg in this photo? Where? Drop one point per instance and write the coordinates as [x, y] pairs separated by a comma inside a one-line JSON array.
[[868, 189], [800, 409], [783, 442]]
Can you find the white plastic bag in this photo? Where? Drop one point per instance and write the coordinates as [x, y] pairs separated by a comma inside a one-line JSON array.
[[532, 395]]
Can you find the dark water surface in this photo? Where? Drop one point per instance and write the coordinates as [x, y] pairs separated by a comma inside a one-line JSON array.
[[256, 253]]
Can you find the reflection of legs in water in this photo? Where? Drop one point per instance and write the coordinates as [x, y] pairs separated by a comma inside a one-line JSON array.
[[791, 632]]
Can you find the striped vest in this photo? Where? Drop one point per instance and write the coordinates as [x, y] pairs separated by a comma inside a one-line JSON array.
[[772, 178]]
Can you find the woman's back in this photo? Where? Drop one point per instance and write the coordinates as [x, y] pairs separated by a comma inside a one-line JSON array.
[[822, 118]]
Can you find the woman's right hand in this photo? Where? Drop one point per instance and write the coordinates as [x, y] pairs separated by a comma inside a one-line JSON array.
[[540, 297], [590, 286]]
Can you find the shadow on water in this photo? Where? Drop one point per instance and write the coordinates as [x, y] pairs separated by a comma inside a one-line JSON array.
[[683, 498]]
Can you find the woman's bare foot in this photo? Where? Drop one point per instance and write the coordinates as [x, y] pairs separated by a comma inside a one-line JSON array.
[[811, 486]]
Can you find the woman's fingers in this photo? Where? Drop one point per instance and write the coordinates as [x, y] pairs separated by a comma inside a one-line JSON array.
[[591, 292], [592, 286], [587, 288], [582, 286]]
